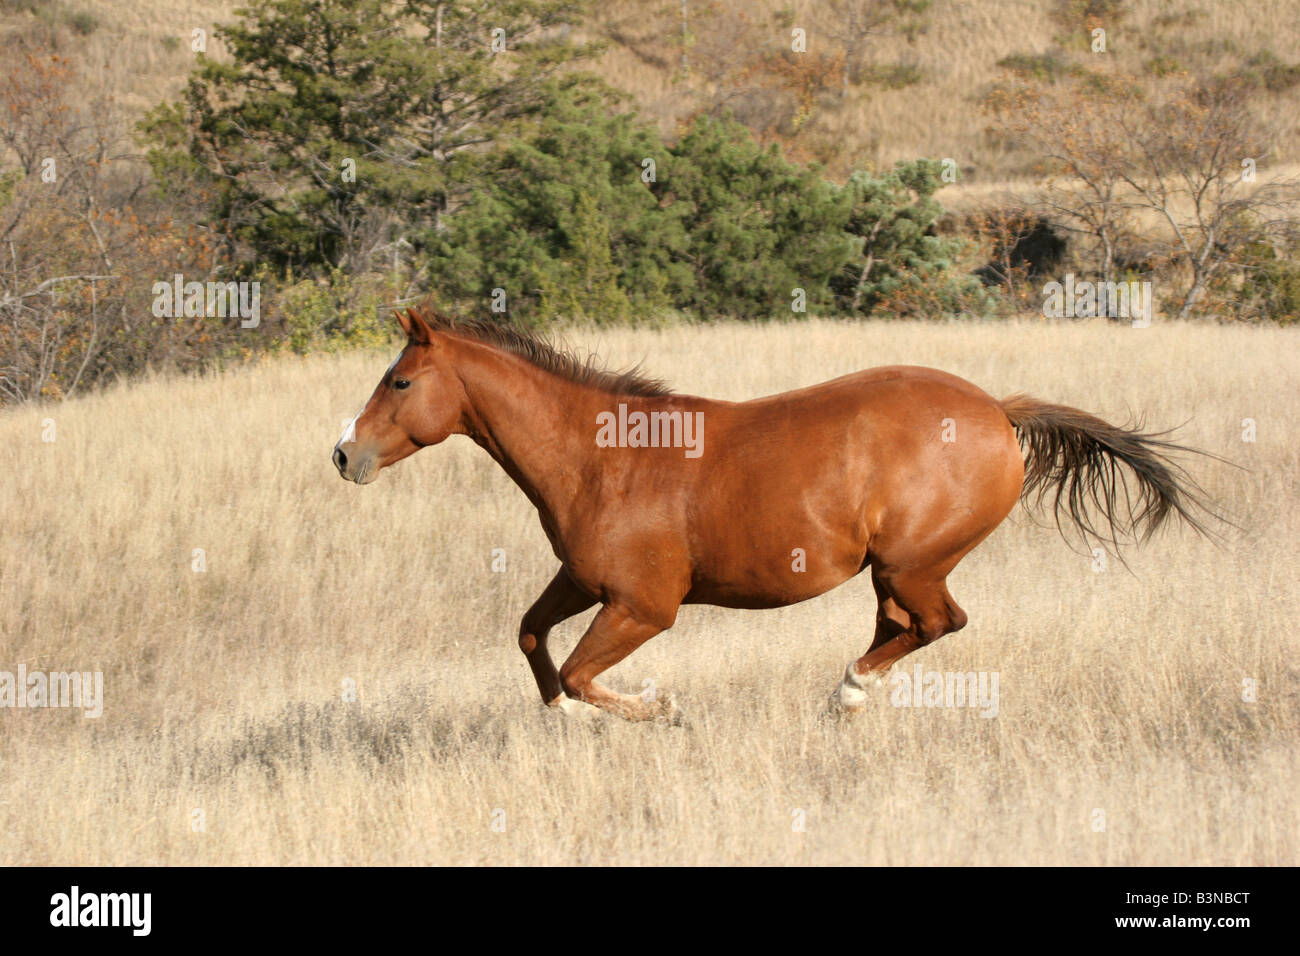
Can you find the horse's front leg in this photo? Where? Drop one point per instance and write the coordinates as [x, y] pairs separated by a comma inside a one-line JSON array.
[[562, 599], [616, 632]]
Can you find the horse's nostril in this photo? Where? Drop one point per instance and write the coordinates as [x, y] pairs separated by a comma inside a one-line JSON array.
[[340, 459]]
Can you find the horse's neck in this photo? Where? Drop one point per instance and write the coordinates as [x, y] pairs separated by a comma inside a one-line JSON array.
[[539, 427]]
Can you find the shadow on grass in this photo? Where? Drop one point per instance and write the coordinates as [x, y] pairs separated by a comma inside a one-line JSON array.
[[380, 737]]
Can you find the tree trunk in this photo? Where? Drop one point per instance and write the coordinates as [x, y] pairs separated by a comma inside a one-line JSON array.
[[1193, 296], [866, 266], [862, 280]]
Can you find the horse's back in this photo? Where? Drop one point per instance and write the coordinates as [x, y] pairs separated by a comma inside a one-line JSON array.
[[872, 384], [904, 406]]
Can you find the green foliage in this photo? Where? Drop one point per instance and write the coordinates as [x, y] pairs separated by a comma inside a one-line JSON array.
[[901, 266], [1265, 71], [83, 22], [339, 311], [894, 76], [54, 14], [913, 17], [336, 130], [758, 227], [336, 126], [8, 185], [1272, 290], [1163, 66], [1087, 14], [562, 221], [1045, 67]]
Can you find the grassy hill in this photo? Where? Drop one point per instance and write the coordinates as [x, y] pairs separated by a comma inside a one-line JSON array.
[[916, 92]]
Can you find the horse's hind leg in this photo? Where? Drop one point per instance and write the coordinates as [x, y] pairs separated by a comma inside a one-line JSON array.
[[891, 620], [559, 601], [915, 610]]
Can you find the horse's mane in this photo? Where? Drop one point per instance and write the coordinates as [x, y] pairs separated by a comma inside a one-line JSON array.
[[535, 349]]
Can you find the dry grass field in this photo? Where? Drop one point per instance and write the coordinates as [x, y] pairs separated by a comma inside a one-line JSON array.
[[1119, 692]]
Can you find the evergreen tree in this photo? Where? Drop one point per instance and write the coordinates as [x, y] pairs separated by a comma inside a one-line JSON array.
[[900, 263], [340, 123], [758, 226], [563, 219]]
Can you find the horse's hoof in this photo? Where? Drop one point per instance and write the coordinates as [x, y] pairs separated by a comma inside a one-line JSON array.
[[853, 694], [566, 705]]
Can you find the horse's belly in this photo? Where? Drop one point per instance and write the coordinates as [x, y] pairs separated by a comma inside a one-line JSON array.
[[764, 594], [774, 575]]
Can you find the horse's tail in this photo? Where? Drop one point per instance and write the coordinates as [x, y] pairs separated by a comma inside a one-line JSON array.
[[1078, 455]]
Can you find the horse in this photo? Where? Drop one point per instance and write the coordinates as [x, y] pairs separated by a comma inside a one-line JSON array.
[[652, 499]]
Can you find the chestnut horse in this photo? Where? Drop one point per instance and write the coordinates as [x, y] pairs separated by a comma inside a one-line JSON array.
[[652, 499]]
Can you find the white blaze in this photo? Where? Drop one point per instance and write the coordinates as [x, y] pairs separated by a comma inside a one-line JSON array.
[[350, 433]]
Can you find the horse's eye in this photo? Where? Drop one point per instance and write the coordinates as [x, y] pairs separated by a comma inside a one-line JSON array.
[[400, 383]]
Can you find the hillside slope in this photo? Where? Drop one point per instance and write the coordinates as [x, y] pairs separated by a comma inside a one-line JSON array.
[[140, 50]]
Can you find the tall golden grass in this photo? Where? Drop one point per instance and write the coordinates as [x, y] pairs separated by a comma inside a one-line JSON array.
[[1121, 693]]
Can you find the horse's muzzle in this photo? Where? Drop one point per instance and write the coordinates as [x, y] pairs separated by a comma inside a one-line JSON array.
[[354, 465]]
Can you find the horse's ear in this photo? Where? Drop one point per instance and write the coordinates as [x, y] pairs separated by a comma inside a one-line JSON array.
[[417, 330]]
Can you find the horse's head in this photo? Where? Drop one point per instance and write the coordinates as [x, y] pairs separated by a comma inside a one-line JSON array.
[[418, 402]]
